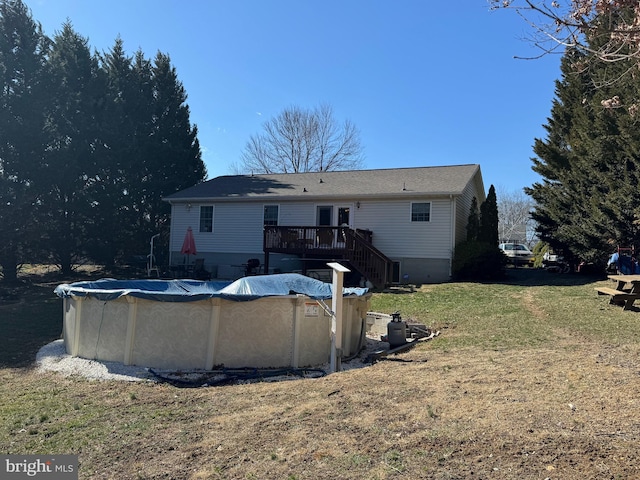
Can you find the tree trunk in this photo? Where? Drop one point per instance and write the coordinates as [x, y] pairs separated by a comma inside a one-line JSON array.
[[66, 266], [9, 265]]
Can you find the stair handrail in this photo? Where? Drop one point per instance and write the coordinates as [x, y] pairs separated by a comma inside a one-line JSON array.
[[367, 259]]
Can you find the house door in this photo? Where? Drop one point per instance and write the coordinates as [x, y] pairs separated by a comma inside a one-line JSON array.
[[333, 215], [343, 215]]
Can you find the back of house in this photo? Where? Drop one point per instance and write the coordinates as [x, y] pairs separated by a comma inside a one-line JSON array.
[[396, 225]]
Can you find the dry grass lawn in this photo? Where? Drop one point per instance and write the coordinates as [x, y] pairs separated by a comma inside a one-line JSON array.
[[533, 378]]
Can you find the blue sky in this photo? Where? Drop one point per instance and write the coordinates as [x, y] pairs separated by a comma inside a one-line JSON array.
[[426, 83]]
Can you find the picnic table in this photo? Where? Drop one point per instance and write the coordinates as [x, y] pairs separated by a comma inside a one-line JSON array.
[[626, 292]]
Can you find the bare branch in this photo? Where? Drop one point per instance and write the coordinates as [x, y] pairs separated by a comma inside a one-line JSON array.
[[577, 23], [299, 140], [514, 215]]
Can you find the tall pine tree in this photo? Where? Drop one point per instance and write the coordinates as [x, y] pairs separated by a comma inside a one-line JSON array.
[[588, 201], [149, 149], [23, 98], [473, 221], [173, 159], [73, 132], [488, 232], [89, 145], [111, 211]]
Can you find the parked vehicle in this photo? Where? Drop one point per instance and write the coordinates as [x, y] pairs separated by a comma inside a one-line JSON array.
[[553, 262], [517, 253]]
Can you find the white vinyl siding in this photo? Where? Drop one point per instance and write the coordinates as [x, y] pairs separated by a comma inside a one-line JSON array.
[[238, 227], [297, 214], [463, 208], [183, 217], [395, 234]]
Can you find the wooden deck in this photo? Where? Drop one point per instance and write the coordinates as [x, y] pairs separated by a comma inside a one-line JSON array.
[[355, 246], [305, 240]]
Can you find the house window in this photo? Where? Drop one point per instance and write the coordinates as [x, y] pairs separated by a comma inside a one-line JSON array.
[[323, 215], [271, 215], [421, 212], [206, 218]]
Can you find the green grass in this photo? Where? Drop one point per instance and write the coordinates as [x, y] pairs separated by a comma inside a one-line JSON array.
[[521, 312], [393, 420], [517, 313]]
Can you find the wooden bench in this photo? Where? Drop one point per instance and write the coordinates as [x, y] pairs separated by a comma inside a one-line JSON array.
[[618, 296]]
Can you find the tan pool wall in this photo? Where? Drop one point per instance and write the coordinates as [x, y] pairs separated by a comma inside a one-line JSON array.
[[285, 331]]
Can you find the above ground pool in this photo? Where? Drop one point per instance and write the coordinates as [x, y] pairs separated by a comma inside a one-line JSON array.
[[262, 321]]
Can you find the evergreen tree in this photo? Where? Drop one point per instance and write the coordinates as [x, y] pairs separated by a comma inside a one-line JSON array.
[[488, 231], [149, 150], [89, 145], [73, 133], [111, 216], [473, 221], [23, 98], [479, 258], [174, 159], [139, 134], [588, 201]]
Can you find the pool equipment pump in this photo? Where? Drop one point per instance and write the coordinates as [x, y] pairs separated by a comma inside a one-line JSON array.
[[396, 331]]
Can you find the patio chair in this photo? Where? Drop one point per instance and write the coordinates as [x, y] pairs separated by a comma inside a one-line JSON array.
[[252, 267], [291, 238], [199, 272], [325, 237]]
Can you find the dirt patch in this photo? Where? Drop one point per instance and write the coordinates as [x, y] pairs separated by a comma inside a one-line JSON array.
[[567, 413], [562, 407], [532, 306]]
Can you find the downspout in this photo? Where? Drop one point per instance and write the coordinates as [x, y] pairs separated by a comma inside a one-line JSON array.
[[453, 232]]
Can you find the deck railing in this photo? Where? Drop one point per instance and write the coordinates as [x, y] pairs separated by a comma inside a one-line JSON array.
[[368, 260], [352, 245]]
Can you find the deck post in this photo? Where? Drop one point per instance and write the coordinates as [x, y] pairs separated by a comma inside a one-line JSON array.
[[265, 249]]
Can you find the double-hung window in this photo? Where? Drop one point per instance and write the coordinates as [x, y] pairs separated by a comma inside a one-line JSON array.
[[271, 215], [206, 218], [421, 212]]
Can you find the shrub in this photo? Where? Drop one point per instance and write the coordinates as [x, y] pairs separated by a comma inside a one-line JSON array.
[[539, 250], [475, 260]]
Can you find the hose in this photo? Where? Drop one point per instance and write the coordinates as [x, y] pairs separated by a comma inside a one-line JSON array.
[[361, 341], [230, 375]]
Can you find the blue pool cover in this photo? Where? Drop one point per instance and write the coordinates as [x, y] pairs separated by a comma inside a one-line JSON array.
[[247, 288]]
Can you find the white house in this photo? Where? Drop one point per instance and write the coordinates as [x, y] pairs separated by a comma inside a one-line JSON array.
[[408, 220]]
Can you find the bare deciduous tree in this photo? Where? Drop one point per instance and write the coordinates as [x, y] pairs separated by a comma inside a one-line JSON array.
[[606, 30], [300, 140], [514, 219]]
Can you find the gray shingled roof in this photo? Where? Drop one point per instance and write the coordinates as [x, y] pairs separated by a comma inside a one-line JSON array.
[[447, 180]]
